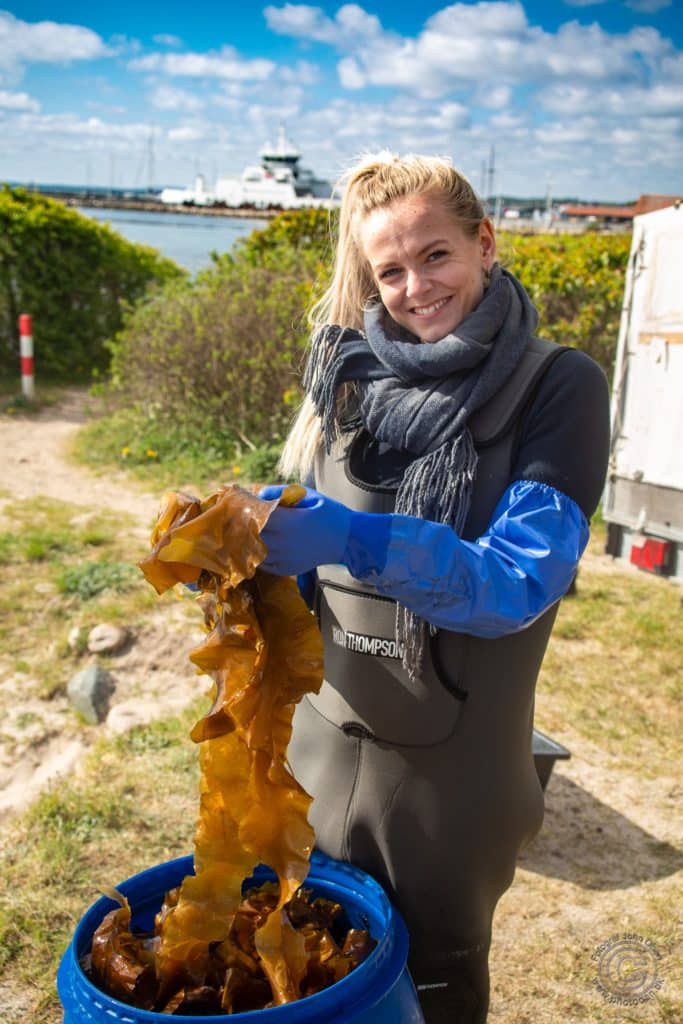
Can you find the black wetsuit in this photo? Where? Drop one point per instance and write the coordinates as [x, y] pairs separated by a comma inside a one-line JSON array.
[[430, 785]]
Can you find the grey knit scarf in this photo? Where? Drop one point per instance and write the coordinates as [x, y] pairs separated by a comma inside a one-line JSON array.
[[418, 398]]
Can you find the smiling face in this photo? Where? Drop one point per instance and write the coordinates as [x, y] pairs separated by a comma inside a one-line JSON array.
[[429, 272]]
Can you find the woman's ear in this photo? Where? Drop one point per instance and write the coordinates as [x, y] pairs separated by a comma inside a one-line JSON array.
[[487, 243]]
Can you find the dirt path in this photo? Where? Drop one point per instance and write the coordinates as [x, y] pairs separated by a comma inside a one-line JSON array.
[[33, 461], [149, 676]]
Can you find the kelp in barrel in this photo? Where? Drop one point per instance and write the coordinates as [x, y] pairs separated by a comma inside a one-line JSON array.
[[214, 950]]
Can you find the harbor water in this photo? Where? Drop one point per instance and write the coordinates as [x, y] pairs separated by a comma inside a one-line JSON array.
[[187, 238]]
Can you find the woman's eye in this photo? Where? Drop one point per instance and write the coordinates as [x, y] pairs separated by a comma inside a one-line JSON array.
[[437, 254], [389, 272]]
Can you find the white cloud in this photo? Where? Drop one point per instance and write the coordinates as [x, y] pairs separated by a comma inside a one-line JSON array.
[[290, 96], [350, 74], [302, 21], [165, 97], [586, 152], [237, 91], [585, 130], [105, 108], [626, 102], [187, 133], [23, 42], [493, 97], [648, 6], [72, 129], [18, 101], [361, 126], [228, 102], [226, 63], [261, 117], [466, 44], [671, 68], [510, 124], [286, 85], [625, 136], [488, 17], [585, 3], [451, 115], [302, 73], [633, 156], [123, 46], [164, 39]]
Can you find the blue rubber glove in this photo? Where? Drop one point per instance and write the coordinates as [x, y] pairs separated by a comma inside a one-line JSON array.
[[497, 584], [313, 532]]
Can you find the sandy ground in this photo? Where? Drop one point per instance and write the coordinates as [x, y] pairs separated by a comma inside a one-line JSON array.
[[608, 854], [32, 461]]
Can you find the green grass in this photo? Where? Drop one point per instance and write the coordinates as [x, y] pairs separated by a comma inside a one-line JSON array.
[[62, 569], [170, 455], [132, 808], [614, 666], [92, 578], [13, 402]]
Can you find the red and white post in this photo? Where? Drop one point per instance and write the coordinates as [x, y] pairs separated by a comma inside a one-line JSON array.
[[26, 341]]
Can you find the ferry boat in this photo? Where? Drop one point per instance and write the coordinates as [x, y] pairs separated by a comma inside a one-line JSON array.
[[278, 181]]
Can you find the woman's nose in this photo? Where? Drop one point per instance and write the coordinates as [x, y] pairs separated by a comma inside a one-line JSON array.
[[416, 282]]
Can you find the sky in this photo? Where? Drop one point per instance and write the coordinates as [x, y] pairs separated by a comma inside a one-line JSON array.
[[577, 97]]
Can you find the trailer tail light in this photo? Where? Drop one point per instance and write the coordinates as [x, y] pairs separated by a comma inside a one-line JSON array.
[[652, 555]]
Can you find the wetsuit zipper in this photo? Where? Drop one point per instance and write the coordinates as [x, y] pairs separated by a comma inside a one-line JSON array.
[[324, 584], [346, 848]]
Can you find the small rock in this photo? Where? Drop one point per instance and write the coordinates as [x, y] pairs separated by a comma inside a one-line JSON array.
[[124, 717], [45, 587], [74, 638], [89, 692], [106, 638]]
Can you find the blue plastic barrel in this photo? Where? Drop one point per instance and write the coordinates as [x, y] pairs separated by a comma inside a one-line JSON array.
[[378, 991]]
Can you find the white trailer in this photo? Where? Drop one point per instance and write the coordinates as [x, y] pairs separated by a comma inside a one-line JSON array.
[[643, 500]]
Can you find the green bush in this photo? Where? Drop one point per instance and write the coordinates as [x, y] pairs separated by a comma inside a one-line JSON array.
[[73, 276], [308, 233], [577, 284], [221, 355]]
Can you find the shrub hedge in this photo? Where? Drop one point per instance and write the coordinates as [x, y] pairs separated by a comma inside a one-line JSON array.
[[224, 352], [577, 284], [73, 276]]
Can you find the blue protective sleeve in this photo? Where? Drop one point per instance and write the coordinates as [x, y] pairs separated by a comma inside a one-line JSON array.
[[497, 584]]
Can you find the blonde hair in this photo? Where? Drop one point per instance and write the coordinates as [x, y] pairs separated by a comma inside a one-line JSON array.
[[374, 182]]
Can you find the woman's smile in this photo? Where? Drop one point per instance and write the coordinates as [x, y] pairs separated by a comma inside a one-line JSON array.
[[426, 311]]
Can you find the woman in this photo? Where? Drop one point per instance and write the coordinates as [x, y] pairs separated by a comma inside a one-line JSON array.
[[456, 460]]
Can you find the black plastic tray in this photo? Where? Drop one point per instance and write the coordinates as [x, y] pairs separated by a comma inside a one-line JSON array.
[[546, 752]]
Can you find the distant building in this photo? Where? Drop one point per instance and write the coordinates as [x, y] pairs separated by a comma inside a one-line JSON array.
[[596, 212], [613, 214], [650, 203]]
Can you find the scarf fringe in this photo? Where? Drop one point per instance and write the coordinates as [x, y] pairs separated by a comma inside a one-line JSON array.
[[438, 487], [321, 379]]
